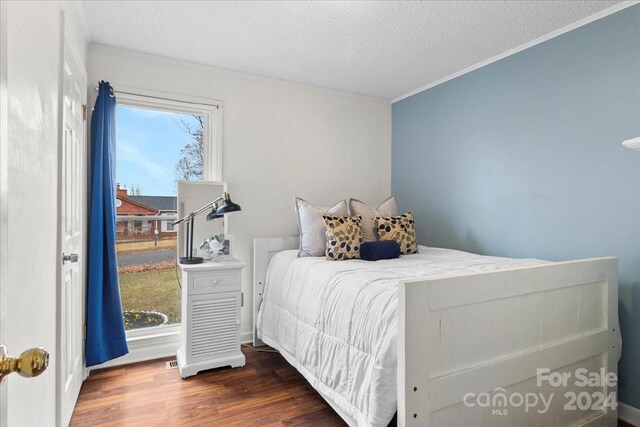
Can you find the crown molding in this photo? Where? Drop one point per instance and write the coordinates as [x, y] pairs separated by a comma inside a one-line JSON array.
[[605, 12]]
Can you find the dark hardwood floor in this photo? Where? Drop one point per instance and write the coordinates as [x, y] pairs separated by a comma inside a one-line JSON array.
[[266, 392]]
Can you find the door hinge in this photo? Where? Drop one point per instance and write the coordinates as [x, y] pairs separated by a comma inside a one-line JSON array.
[[84, 332], [84, 112], [241, 299]]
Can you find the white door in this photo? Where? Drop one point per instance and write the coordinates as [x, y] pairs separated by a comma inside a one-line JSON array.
[[3, 189], [70, 360]]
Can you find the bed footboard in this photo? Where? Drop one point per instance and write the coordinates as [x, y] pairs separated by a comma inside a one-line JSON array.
[[531, 346]]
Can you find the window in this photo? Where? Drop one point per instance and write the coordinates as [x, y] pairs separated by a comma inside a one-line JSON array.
[[158, 142]]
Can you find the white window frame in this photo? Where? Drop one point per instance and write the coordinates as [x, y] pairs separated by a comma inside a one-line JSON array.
[[209, 109], [153, 343]]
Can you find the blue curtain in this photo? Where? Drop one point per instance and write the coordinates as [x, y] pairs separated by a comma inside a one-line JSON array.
[[106, 338]]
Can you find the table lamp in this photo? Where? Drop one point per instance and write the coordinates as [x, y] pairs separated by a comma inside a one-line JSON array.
[[217, 211]]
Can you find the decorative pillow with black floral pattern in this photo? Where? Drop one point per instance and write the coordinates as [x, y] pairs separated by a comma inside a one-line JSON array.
[[400, 228], [344, 237]]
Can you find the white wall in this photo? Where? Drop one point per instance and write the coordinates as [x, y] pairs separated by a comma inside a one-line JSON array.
[[29, 195], [279, 140]]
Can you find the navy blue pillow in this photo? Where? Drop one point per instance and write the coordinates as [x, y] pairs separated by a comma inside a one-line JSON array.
[[383, 249]]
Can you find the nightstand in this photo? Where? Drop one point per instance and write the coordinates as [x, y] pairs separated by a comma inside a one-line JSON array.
[[211, 301]]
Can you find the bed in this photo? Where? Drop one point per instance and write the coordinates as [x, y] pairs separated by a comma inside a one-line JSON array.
[[418, 335]]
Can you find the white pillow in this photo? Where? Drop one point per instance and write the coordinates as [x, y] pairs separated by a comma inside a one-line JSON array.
[[387, 208], [313, 231]]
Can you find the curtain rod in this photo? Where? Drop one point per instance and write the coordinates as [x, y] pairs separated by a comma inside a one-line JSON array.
[[163, 99]]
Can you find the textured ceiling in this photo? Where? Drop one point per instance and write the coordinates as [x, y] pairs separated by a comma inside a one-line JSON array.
[[384, 49]]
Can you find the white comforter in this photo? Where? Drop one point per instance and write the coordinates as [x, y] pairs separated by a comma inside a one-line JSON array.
[[336, 322]]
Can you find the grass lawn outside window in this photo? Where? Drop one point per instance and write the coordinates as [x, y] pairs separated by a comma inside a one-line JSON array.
[[148, 288]]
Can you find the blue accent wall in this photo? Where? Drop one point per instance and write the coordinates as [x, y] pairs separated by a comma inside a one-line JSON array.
[[523, 158]]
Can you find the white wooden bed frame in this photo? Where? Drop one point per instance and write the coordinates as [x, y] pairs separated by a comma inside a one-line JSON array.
[[475, 333]]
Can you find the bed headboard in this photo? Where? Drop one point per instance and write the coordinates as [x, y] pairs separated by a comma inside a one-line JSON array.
[[263, 251]]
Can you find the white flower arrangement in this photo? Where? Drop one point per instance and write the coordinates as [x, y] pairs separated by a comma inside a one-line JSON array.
[[215, 245]]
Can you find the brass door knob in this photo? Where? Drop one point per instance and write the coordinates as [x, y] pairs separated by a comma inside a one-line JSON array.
[[30, 363]]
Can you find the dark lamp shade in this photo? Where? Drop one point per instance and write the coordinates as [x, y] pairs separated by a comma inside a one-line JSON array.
[[213, 214], [227, 207]]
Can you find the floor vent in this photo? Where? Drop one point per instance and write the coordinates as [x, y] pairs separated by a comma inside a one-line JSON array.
[[172, 364]]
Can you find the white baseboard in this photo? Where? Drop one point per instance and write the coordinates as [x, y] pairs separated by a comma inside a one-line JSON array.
[[155, 347], [246, 337], [146, 348], [629, 414]]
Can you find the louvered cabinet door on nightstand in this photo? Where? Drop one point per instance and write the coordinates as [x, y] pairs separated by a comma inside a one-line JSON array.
[[211, 302]]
